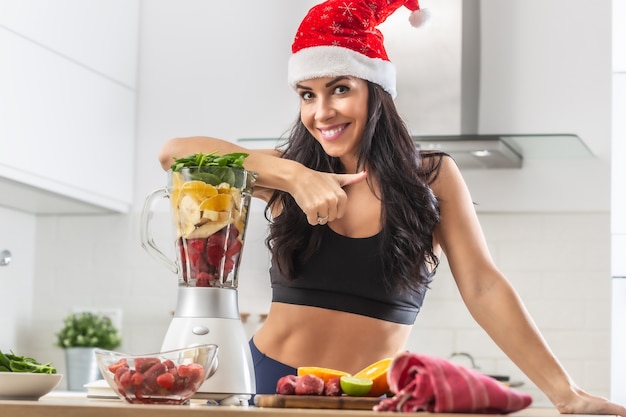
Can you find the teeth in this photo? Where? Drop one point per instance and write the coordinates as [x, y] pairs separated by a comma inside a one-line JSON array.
[[330, 132]]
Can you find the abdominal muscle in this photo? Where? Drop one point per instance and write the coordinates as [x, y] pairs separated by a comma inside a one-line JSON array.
[[310, 336]]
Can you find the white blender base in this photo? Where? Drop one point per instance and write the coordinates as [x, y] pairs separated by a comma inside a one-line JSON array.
[[233, 382]]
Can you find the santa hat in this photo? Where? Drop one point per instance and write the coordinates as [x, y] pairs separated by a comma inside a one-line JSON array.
[[340, 37]]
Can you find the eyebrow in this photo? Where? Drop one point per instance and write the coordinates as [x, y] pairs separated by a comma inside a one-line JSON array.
[[328, 84], [336, 80]]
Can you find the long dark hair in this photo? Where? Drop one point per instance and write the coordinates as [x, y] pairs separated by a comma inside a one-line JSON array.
[[410, 210]]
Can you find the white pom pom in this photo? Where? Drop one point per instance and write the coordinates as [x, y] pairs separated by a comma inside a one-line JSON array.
[[419, 17]]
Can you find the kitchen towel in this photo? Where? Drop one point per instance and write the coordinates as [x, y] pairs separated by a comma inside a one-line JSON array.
[[427, 383]]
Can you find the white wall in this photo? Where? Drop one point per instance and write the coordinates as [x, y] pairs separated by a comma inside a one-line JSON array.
[[17, 234], [618, 206]]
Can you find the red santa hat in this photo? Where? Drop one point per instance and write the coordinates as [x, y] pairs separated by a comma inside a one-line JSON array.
[[339, 37]]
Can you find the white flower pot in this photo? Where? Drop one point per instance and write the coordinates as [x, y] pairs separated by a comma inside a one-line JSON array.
[[81, 366]]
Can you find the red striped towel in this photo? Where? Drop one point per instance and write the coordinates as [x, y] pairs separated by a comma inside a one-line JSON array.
[[426, 383]]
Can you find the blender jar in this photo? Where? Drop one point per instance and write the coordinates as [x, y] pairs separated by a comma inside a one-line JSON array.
[[209, 209]]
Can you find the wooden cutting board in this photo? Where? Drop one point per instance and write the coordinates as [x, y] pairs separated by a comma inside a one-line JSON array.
[[315, 401]]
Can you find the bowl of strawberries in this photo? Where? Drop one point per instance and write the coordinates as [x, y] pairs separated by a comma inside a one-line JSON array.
[[170, 377]]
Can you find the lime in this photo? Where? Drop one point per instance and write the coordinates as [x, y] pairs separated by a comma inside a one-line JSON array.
[[355, 386]]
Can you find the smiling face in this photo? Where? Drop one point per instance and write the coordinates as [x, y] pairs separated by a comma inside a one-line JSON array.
[[334, 111]]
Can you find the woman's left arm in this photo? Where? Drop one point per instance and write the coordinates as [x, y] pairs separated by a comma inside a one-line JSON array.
[[494, 303]]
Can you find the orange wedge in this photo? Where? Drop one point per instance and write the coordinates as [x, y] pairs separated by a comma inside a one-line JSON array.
[[218, 202], [325, 373], [377, 372], [198, 189]]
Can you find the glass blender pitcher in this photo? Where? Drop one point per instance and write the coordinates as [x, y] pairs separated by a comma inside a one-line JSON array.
[[209, 208]]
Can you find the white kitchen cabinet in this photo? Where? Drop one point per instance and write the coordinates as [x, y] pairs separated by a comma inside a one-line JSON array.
[[67, 100]]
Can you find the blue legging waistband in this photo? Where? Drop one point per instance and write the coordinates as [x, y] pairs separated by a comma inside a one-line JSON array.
[[268, 371]]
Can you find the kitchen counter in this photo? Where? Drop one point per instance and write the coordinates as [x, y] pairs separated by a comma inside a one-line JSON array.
[[75, 405]]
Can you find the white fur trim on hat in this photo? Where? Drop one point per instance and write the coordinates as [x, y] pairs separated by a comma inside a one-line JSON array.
[[419, 18], [334, 61]]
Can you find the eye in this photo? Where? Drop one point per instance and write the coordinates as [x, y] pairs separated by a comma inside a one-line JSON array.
[[341, 89], [306, 95]]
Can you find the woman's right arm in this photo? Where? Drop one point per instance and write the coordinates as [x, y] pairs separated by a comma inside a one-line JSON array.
[[274, 173], [317, 193]]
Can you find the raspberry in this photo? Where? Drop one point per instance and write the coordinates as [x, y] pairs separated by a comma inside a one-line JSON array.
[[309, 385], [286, 385], [332, 388]]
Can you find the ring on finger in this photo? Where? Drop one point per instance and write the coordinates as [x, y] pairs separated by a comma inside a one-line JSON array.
[[321, 220]]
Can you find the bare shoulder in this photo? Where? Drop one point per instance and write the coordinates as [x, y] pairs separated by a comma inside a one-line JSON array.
[[443, 174]]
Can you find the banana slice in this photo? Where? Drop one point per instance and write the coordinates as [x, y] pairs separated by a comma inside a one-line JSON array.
[[207, 229], [190, 213]]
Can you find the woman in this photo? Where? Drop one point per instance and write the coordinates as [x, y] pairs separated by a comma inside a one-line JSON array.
[[359, 220]]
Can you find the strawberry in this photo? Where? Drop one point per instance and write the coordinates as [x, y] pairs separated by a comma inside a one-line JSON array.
[[124, 379], [215, 253], [122, 363], [137, 379], [151, 375], [169, 365], [143, 364], [195, 249], [204, 279], [193, 372], [229, 264], [234, 247], [232, 232], [166, 380]]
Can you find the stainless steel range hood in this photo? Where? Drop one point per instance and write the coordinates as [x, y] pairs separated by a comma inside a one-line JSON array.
[[474, 151], [482, 151], [504, 151]]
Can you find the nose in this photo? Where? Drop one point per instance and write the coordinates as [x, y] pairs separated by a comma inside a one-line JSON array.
[[324, 109]]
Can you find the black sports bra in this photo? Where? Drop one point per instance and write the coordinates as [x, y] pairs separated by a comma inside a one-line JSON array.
[[346, 275]]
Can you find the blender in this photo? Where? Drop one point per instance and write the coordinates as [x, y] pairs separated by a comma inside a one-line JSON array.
[[209, 208]]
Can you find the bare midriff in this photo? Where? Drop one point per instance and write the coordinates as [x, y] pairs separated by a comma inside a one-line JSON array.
[[310, 336]]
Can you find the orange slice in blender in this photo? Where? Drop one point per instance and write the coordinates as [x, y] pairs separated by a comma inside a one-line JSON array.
[[219, 202], [377, 372], [200, 190]]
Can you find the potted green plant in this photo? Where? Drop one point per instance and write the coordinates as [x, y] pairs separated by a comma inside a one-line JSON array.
[[82, 333]]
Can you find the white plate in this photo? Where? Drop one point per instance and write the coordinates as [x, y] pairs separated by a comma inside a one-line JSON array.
[[26, 385], [100, 389]]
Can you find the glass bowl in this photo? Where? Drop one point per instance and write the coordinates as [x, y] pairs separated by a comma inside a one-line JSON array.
[[171, 377]]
